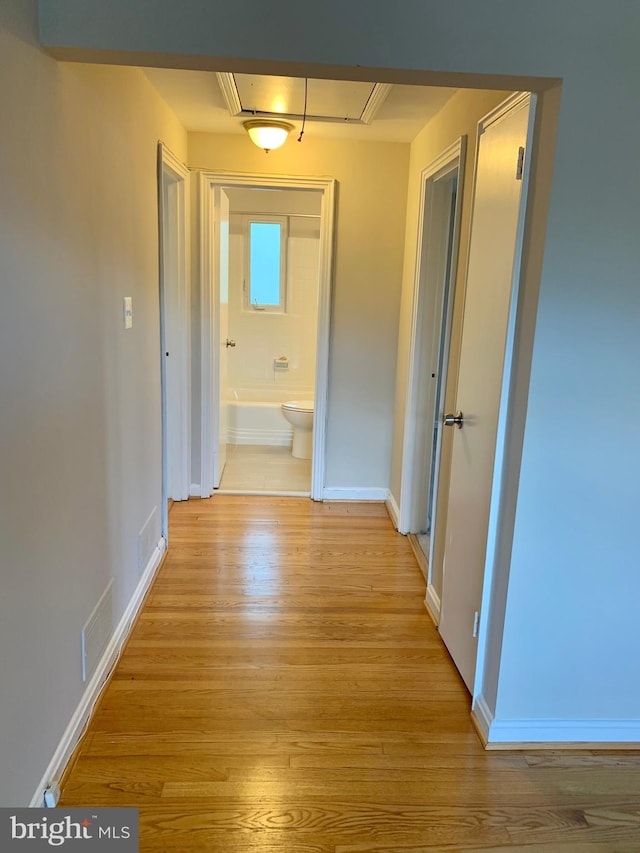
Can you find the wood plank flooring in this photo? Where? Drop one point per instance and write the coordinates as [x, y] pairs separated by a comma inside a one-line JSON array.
[[285, 691]]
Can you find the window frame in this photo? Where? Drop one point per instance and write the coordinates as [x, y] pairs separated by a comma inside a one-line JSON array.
[[247, 305]]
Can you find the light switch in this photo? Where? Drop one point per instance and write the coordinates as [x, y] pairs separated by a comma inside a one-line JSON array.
[[128, 312]]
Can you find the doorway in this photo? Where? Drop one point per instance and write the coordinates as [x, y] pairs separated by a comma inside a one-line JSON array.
[[436, 261], [175, 343], [483, 395], [270, 311], [459, 566], [247, 443]]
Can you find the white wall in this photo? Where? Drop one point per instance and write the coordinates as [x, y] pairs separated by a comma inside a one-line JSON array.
[[80, 413], [371, 208], [571, 638], [263, 336]]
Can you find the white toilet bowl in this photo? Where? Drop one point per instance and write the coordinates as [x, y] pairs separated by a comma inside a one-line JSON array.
[[299, 413]]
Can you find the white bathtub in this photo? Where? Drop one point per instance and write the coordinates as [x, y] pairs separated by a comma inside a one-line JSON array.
[[254, 415]]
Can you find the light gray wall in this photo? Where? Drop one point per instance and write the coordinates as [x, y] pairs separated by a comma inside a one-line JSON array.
[[570, 645], [571, 637], [80, 457]]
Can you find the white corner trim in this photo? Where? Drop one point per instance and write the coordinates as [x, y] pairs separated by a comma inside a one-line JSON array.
[[376, 99], [393, 509], [432, 602], [482, 716], [354, 494], [517, 99], [509, 436], [195, 491], [75, 728], [551, 730], [227, 83]]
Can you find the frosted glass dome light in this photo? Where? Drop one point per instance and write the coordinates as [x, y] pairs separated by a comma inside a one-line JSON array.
[[267, 133]]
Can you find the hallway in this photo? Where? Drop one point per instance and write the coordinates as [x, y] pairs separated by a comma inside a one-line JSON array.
[[285, 691]]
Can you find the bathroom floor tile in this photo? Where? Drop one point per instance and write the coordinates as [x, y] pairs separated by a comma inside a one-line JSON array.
[[260, 468]]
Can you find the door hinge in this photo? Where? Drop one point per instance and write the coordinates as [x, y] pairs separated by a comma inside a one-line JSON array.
[[520, 166], [476, 623]]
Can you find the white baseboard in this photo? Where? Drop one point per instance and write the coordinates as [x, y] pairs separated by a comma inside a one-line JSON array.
[[482, 717], [83, 711], [565, 732], [354, 494], [393, 509], [432, 600], [270, 437]]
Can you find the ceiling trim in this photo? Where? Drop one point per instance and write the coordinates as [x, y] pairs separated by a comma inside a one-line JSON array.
[[230, 93], [376, 100]]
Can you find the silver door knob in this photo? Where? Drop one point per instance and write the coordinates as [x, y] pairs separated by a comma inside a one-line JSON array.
[[457, 419], [229, 343]]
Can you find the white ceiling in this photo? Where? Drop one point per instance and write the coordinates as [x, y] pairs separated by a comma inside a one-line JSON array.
[[197, 100]]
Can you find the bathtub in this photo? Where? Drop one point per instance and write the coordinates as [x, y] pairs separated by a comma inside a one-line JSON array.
[[254, 415]]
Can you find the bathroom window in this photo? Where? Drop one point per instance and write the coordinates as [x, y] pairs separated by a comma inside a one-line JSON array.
[[265, 281]]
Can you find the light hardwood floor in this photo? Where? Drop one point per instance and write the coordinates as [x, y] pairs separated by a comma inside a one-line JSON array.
[[285, 691]]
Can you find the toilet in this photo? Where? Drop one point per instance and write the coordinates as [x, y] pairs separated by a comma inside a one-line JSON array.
[[299, 413]]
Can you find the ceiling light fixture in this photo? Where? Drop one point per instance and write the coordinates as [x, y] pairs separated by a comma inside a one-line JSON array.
[[267, 133]]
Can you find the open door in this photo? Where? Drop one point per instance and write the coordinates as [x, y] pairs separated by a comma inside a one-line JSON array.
[[214, 296], [431, 317], [214, 225], [221, 333], [173, 198], [483, 379]]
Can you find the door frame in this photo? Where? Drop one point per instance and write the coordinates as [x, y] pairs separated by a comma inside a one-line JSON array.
[[510, 426], [219, 254], [175, 325], [427, 320], [208, 181], [509, 429]]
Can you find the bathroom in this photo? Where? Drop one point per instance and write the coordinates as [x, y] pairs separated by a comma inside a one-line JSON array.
[[274, 242]]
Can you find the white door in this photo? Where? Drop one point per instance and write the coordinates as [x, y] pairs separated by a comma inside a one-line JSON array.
[[221, 333], [491, 272], [437, 364], [436, 256], [174, 326]]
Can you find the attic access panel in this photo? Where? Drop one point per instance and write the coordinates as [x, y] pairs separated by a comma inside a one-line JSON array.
[[283, 97]]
